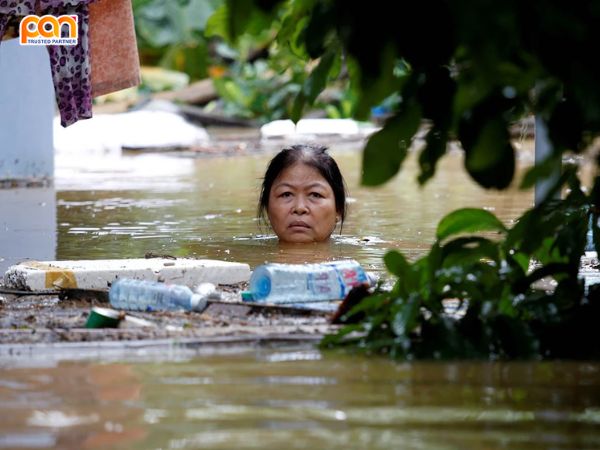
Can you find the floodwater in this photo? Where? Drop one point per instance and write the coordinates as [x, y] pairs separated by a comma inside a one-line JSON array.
[[267, 398], [124, 207], [298, 398]]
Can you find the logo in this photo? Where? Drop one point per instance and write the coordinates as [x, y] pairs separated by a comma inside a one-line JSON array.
[[49, 30]]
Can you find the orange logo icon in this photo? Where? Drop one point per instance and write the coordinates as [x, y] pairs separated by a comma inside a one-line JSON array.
[[47, 30]]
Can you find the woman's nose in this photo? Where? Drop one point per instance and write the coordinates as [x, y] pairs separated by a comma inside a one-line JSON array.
[[300, 206]]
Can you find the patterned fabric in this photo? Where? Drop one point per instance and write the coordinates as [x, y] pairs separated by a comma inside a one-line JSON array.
[[70, 65], [11, 10]]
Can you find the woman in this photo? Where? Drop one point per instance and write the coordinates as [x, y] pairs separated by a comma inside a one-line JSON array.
[[303, 195]]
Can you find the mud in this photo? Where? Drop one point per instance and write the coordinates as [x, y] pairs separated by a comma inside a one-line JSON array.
[[56, 318]]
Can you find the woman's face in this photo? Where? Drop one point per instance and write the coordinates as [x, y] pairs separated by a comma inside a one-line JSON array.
[[301, 205]]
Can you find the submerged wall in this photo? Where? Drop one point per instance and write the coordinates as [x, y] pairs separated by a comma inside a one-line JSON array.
[[27, 225], [26, 114]]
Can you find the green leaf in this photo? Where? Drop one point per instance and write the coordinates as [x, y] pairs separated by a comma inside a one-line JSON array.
[[513, 337], [318, 29], [240, 14], [469, 250], [435, 147], [244, 17], [375, 90], [436, 95], [396, 263], [292, 23], [159, 24], [384, 153], [404, 321], [483, 133], [341, 337], [216, 25], [491, 160], [522, 260], [551, 269], [191, 60], [468, 220], [298, 107], [317, 80], [375, 304], [541, 171], [235, 92]]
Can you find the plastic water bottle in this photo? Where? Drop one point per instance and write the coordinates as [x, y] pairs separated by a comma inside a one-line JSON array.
[[144, 295], [304, 283]]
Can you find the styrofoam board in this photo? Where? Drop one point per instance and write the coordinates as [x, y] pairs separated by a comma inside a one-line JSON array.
[[99, 274]]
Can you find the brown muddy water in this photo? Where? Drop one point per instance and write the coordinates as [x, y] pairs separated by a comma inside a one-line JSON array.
[[297, 398], [173, 397], [206, 208]]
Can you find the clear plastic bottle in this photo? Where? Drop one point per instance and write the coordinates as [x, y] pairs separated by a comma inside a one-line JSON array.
[[144, 295], [303, 283]]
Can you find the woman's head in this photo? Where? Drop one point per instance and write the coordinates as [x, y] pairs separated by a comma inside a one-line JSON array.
[[303, 194]]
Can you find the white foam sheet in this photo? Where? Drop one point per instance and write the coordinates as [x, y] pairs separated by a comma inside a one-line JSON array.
[[99, 274]]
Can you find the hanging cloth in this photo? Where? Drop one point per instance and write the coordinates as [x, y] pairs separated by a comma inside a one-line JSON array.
[[70, 64], [113, 47]]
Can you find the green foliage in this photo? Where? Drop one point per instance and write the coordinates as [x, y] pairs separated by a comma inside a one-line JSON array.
[[275, 88], [254, 91], [472, 67], [475, 295], [171, 34], [287, 82], [386, 149]]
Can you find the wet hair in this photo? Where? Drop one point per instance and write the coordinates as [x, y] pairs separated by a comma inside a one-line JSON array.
[[315, 156]]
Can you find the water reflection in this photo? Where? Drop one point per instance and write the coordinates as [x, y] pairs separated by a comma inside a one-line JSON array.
[[300, 398], [71, 406]]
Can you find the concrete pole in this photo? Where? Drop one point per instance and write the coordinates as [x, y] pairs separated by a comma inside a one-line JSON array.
[[26, 114], [27, 211], [543, 149]]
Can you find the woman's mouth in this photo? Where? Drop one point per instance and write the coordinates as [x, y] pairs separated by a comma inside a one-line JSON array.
[[298, 224]]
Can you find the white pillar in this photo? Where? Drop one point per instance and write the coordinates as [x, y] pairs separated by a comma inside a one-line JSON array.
[[27, 215], [26, 113], [543, 150]]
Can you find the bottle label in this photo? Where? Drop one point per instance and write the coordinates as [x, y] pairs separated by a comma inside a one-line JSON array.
[[352, 277], [336, 281], [324, 284]]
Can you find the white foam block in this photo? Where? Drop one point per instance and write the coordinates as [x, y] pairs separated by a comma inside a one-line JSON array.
[[109, 133], [327, 126], [310, 127], [99, 274]]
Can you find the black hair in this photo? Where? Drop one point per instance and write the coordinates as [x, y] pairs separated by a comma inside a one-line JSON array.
[[315, 156]]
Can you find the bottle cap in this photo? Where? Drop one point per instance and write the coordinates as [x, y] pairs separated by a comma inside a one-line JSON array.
[[260, 286], [198, 302], [372, 278], [205, 289]]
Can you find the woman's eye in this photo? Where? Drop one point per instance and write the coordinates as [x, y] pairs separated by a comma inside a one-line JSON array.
[[285, 194], [316, 194]]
